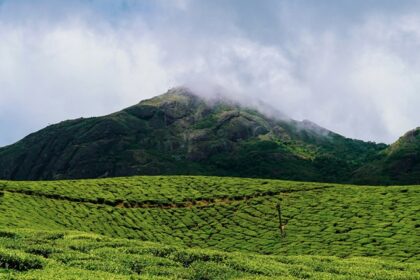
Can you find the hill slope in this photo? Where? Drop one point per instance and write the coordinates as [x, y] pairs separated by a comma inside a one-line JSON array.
[[182, 227], [397, 164], [181, 133], [77, 255], [228, 214]]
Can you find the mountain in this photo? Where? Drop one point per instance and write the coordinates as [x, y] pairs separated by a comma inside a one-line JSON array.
[[397, 164], [181, 133]]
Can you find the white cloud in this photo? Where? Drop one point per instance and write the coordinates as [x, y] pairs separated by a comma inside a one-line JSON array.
[[360, 81], [71, 71]]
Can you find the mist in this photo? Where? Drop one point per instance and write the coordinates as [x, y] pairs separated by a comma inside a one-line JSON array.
[[354, 71]]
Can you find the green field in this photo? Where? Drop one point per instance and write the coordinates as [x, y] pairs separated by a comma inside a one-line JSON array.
[[207, 228]]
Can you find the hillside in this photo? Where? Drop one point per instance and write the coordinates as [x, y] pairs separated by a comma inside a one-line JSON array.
[[189, 227], [229, 214], [181, 133], [397, 164], [77, 255]]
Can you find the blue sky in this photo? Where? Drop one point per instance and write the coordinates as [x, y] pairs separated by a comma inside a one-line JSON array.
[[350, 66]]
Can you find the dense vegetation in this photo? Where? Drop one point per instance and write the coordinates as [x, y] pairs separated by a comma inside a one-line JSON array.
[[207, 228], [34, 254], [198, 227], [399, 163], [181, 133]]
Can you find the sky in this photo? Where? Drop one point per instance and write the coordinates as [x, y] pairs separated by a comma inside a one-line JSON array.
[[350, 66]]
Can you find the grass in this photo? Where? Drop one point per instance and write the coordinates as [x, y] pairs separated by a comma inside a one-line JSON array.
[[192, 227]]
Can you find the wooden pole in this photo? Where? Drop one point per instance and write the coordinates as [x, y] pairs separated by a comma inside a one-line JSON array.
[[280, 221]]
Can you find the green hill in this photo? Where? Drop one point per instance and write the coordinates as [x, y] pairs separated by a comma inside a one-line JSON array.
[[210, 226], [397, 164], [180, 133]]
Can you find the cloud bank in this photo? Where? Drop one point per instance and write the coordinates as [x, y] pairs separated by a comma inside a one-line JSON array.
[[354, 70]]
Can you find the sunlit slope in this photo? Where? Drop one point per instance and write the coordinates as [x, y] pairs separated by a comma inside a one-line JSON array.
[[225, 213], [31, 254]]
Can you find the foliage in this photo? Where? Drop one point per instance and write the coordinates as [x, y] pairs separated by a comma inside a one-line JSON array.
[[17, 260], [89, 256], [193, 227], [398, 164], [179, 133], [229, 214]]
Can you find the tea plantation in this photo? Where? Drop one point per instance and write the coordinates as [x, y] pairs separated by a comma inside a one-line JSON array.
[[192, 227]]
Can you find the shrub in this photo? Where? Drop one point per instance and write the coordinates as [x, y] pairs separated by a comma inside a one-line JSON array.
[[8, 234], [187, 257], [42, 250], [210, 270], [12, 259]]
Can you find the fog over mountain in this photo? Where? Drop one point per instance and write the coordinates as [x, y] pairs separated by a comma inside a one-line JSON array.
[[351, 68]]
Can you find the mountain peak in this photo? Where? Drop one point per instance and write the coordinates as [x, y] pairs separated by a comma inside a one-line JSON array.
[[176, 94], [180, 132], [180, 90]]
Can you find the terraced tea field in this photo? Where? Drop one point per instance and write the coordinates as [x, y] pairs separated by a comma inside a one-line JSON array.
[[333, 231], [75, 255]]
